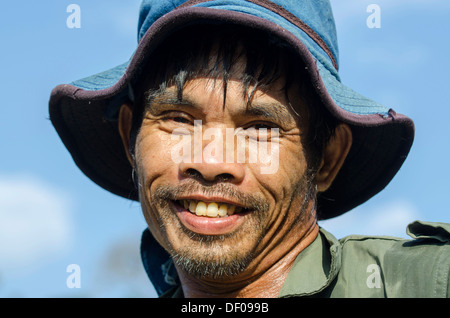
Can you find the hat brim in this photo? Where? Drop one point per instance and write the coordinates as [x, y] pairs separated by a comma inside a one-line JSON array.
[[381, 138]]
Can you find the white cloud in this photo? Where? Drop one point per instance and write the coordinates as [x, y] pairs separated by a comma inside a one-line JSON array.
[[35, 223], [390, 219]]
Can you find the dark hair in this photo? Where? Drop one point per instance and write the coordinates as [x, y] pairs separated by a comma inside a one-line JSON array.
[[187, 54]]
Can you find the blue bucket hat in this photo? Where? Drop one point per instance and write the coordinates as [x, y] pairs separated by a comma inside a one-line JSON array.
[[84, 112]]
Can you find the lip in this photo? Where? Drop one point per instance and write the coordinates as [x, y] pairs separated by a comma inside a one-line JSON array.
[[207, 225], [199, 197]]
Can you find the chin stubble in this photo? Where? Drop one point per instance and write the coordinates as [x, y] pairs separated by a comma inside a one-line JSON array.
[[214, 256]]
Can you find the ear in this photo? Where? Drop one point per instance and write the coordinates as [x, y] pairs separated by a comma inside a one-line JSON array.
[[124, 126], [333, 157]]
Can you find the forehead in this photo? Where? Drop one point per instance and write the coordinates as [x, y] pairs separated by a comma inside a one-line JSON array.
[[201, 89], [210, 98], [225, 56]]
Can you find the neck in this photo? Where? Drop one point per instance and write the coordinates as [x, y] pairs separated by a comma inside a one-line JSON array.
[[263, 280]]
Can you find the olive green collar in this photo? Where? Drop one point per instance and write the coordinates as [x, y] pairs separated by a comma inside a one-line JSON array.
[[314, 268]]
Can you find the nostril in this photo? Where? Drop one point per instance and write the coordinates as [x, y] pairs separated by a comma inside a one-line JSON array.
[[223, 177], [192, 173]]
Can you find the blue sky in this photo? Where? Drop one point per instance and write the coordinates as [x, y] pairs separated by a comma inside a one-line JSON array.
[[52, 216]]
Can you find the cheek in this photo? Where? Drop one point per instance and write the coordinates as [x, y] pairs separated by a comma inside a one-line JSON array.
[[290, 169], [154, 167], [153, 157]]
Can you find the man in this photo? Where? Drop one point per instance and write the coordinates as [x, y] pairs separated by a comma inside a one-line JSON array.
[[231, 127]]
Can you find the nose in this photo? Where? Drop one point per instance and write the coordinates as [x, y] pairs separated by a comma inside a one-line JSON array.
[[213, 172], [213, 169]]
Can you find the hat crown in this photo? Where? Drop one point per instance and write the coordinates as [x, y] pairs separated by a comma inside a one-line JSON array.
[[317, 15]]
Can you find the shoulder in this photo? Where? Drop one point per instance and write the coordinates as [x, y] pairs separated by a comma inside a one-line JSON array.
[[394, 267], [421, 267]]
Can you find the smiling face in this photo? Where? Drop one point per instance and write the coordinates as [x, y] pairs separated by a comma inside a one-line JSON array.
[[219, 215], [177, 198]]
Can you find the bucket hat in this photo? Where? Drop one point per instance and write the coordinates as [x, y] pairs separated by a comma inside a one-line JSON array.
[[84, 112]]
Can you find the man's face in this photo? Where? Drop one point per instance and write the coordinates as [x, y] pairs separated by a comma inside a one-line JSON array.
[[254, 214]]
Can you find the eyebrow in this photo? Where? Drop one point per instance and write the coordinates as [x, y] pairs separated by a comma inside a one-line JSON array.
[[159, 101], [270, 110]]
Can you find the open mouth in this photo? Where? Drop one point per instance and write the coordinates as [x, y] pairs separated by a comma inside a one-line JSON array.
[[210, 209]]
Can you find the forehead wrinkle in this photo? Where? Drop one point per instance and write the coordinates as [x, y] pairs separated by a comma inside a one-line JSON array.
[[272, 110]]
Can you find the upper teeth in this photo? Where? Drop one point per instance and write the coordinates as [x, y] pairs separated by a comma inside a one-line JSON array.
[[211, 209]]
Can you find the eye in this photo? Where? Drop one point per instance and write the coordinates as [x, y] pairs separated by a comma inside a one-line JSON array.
[[261, 131], [181, 120], [178, 117], [263, 126]]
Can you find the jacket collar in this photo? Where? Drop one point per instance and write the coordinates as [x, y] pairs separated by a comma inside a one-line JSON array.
[[315, 267], [157, 264]]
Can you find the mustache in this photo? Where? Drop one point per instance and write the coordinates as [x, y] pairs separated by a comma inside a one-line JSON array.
[[163, 193]]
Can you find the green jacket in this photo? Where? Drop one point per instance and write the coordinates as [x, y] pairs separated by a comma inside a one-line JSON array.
[[371, 266], [374, 266]]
